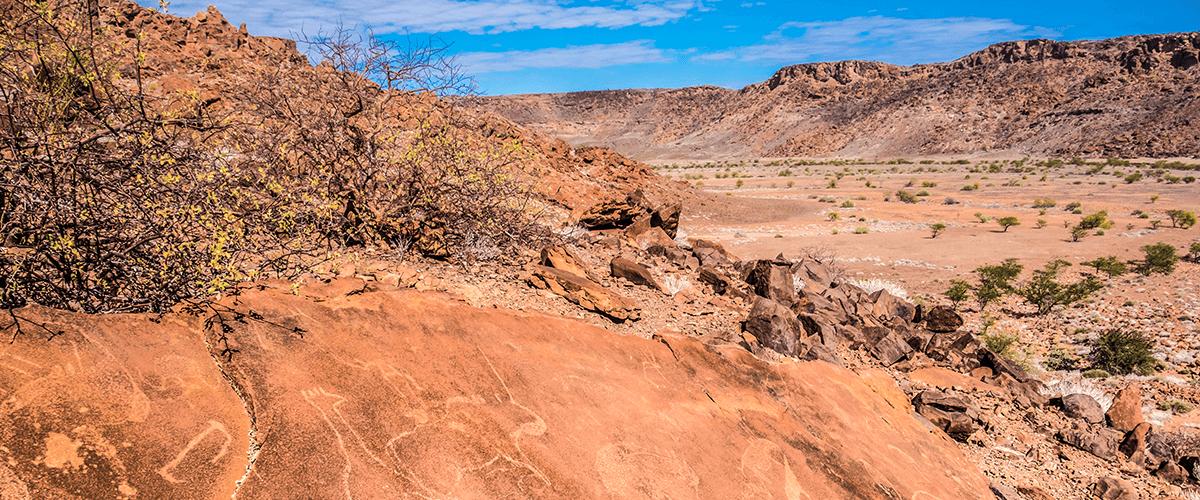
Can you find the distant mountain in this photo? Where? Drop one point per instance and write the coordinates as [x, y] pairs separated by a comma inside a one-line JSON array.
[[1130, 96]]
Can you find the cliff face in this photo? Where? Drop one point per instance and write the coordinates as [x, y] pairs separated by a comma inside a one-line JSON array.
[[405, 394], [1130, 96]]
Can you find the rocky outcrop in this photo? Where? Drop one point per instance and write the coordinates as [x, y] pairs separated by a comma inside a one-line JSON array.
[[412, 392], [1126, 411]]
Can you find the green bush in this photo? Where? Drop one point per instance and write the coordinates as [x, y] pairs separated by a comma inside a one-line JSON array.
[[1095, 373], [936, 229], [1045, 292], [1108, 265], [1182, 219], [1044, 203], [996, 281], [1122, 353], [1003, 344], [1007, 222], [1160, 258], [957, 292], [1060, 360], [906, 196]]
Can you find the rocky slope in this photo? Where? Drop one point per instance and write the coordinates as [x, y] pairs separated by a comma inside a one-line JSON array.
[[1132, 96], [408, 394]]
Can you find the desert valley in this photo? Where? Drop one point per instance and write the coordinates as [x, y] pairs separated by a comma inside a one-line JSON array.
[[239, 265]]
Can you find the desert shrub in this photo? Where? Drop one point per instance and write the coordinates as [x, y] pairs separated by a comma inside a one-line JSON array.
[[1098, 220], [1007, 222], [996, 281], [1159, 258], [1182, 219], [847, 204], [906, 196], [1194, 252], [980, 218], [1122, 352], [971, 187], [1041, 223], [957, 292], [834, 216], [1044, 203], [1045, 292], [936, 229], [1132, 178], [861, 230], [116, 199], [1110, 266], [1174, 406], [1095, 373], [1073, 206], [1060, 360]]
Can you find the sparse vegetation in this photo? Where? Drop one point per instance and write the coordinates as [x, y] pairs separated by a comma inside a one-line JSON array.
[[906, 196], [936, 229], [1007, 222]]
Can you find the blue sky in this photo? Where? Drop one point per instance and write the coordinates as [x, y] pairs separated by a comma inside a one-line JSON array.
[[519, 46]]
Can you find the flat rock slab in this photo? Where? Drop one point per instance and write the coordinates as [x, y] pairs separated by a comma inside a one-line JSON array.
[[117, 406], [408, 394]]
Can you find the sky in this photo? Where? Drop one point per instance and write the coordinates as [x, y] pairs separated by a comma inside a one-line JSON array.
[[527, 46]]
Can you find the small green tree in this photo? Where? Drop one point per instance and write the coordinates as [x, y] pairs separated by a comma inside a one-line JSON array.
[[1098, 220], [906, 196], [1045, 292], [957, 292], [1194, 253], [996, 281], [1122, 353], [936, 229], [1182, 219], [1110, 266], [1159, 258], [1007, 222]]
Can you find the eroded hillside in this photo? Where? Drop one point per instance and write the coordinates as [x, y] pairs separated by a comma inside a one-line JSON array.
[[1131, 96]]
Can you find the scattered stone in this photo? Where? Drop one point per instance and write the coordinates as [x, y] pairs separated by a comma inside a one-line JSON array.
[[1111, 488], [947, 412], [560, 257], [887, 306], [1126, 411], [1134, 444], [635, 273], [711, 254], [1083, 407], [1097, 441], [615, 214], [1172, 472], [584, 292]]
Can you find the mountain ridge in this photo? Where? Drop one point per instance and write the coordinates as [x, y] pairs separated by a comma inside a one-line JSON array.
[[1126, 96]]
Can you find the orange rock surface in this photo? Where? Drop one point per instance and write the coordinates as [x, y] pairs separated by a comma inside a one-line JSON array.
[[404, 394]]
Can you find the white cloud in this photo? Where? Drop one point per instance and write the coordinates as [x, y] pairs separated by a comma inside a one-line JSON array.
[[890, 39], [285, 17], [581, 56]]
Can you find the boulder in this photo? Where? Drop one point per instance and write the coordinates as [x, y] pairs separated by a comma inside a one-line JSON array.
[[943, 319], [711, 253], [645, 236], [772, 281], [667, 218], [890, 349], [1134, 444], [719, 280], [886, 306], [950, 413], [561, 258], [1126, 411], [1097, 441], [1083, 407], [635, 273], [774, 325], [817, 277], [583, 292], [615, 214], [1172, 472], [1112, 488]]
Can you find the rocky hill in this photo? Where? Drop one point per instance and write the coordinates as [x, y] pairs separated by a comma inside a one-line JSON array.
[[1131, 96]]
